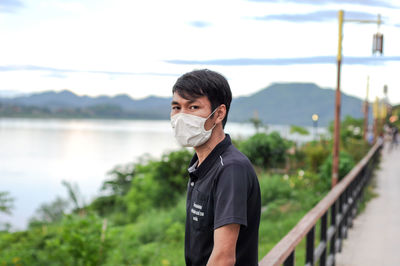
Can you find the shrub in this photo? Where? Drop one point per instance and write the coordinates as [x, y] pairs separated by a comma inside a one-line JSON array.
[[158, 183], [315, 154], [274, 188], [346, 163], [78, 242], [265, 150]]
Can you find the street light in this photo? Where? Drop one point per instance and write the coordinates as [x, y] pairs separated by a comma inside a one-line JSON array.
[[378, 42], [315, 125]]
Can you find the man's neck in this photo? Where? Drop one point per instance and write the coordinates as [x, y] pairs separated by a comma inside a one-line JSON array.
[[204, 150]]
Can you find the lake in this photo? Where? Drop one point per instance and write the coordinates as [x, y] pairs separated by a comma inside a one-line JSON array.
[[37, 154]]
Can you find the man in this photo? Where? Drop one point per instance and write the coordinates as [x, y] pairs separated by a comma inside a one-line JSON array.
[[223, 195]]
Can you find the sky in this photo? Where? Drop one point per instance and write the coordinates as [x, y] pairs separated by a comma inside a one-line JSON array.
[[140, 48]]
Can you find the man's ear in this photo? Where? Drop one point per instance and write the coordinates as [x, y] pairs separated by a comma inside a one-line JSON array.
[[221, 113]]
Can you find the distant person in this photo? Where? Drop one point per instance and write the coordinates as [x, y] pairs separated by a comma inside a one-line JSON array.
[[395, 133], [223, 196]]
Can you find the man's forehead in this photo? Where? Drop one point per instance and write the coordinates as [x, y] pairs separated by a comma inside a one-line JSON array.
[[179, 99]]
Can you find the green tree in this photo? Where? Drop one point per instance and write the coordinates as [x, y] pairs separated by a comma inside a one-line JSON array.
[[6, 202], [50, 212]]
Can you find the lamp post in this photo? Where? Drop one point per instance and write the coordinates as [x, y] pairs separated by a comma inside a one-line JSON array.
[[377, 47], [315, 125], [336, 134], [366, 111]]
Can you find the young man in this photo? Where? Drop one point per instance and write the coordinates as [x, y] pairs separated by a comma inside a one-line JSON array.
[[223, 195]]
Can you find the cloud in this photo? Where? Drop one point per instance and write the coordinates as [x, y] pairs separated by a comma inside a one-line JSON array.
[[10, 6], [319, 16], [199, 24], [376, 3], [287, 61], [60, 73]]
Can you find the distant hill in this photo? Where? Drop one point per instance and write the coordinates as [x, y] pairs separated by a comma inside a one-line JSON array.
[[280, 103], [294, 103], [68, 104]]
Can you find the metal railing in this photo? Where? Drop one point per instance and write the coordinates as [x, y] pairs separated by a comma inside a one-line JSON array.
[[339, 206]]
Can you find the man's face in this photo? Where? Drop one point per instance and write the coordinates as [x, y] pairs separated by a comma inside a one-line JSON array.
[[198, 107]]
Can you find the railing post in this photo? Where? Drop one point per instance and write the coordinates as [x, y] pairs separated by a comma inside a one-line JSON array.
[[290, 261], [346, 213], [333, 239], [322, 260], [340, 224], [310, 247]]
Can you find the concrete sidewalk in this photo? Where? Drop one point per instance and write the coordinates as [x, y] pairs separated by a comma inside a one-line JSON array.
[[375, 236]]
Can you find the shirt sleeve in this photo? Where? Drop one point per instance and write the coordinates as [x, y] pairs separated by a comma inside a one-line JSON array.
[[230, 198]]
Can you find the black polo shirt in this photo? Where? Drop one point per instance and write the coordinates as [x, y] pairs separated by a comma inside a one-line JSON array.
[[223, 190]]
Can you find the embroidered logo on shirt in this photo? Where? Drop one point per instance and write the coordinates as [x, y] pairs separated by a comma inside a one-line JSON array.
[[196, 211]]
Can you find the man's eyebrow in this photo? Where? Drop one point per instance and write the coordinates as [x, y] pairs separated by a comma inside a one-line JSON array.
[[188, 102]]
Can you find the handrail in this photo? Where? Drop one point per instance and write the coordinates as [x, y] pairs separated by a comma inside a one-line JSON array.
[[343, 201]]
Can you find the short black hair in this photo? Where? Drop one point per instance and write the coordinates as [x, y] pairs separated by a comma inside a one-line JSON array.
[[205, 82]]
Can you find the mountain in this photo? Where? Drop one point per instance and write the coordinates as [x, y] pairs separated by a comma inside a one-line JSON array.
[[280, 103], [294, 103], [67, 104]]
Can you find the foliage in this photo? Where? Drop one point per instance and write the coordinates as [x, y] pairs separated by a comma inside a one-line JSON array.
[[6, 202], [298, 129], [113, 205], [155, 237], [346, 163], [315, 154], [274, 188], [74, 194], [265, 150], [357, 148], [121, 179], [349, 128], [76, 241], [79, 241], [257, 122], [49, 213], [158, 183]]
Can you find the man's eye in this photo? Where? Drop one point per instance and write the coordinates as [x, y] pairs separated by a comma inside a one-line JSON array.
[[175, 107], [193, 107]]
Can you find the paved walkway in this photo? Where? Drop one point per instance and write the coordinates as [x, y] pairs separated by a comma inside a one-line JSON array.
[[375, 236]]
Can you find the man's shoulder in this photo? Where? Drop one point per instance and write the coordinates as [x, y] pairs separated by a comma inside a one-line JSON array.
[[233, 156], [236, 163]]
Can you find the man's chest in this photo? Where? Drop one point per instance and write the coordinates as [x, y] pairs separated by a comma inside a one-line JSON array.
[[200, 204]]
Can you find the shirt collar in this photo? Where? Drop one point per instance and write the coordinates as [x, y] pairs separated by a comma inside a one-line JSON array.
[[198, 172]]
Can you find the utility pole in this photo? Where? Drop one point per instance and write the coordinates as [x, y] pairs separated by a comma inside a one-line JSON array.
[[377, 47]]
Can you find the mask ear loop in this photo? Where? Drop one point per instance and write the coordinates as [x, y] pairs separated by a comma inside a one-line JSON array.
[[209, 117]]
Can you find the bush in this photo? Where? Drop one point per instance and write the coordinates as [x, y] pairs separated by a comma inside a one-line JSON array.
[[265, 151], [346, 163], [156, 236], [315, 154], [357, 148], [274, 188], [78, 242], [158, 183]]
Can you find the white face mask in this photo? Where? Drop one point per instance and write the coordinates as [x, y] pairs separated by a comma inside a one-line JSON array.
[[189, 129]]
